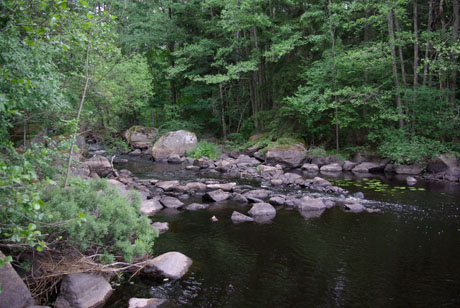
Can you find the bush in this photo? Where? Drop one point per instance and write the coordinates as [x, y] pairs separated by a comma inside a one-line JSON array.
[[403, 150], [96, 216], [204, 149], [317, 152]]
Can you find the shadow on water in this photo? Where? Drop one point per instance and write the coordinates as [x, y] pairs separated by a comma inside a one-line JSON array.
[[405, 256]]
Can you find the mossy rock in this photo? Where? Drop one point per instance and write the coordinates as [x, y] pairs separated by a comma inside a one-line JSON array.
[[141, 136]]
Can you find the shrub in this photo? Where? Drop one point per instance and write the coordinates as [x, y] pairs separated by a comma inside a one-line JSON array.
[[317, 152], [96, 216], [403, 150], [204, 149]]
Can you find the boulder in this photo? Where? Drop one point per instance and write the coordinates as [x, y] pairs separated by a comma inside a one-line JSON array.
[[276, 182], [171, 202], [335, 167], [348, 165], [145, 302], [270, 171], [195, 186], [172, 265], [162, 227], [291, 156], [81, 171], [224, 187], [216, 195], [14, 291], [260, 156], [390, 168], [140, 136], [151, 206], [258, 193], [408, 169], [97, 162], [442, 163], [224, 165], [168, 185], [311, 168], [176, 142], [238, 217], [196, 206], [367, 167], [310, 204], [83, 290], [262, 209]]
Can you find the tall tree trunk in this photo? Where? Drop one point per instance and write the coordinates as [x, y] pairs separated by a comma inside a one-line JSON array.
[[395, 67], [442, 81], [415, 83], [334, 77], [428, 45], [85, 88], [454, 56], [401, 60], [222, 110]]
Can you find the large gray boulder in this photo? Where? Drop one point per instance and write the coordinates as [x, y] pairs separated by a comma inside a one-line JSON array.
[[99, 165], [145, 302], [291, 156], [176, 142], [196, 206], [14, 291], [172, 265], [140, 136], [452, 174], [262, 209], [311, 168], [83, 290]]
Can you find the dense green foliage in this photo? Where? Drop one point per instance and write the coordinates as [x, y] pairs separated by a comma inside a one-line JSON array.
[[96, 216], [36, 211]]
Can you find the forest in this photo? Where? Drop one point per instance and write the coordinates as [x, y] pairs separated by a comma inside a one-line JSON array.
[[342, 77]]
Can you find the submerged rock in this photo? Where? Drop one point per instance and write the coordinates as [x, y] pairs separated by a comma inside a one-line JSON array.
[[238, 217], [216, 196], [145, 302], [171, 202], [354, 207], [224, 187], [172, 265], [410, 180], [408, 169], [310, 204], [83, 290], [162, 227], [196, 206], [257, 193]]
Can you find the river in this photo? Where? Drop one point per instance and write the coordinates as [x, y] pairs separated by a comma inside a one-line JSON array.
[[407, 255]]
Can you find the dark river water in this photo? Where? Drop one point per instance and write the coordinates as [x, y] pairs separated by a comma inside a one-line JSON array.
[[408, 255]]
